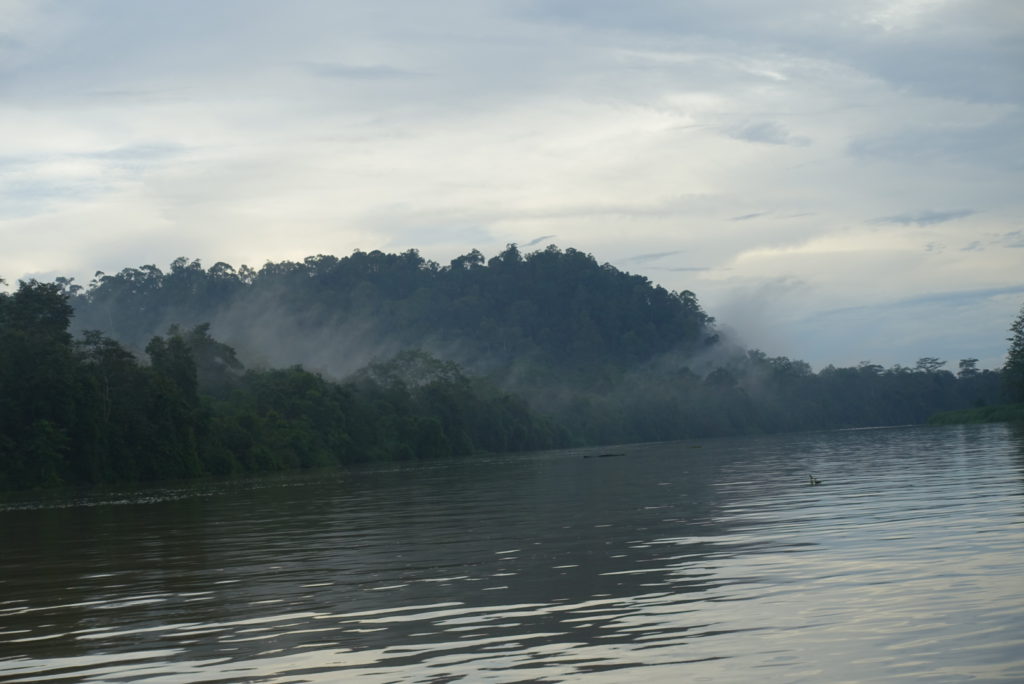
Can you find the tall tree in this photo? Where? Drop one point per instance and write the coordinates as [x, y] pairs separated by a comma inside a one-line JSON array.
[[36, 383], [1013, 370]]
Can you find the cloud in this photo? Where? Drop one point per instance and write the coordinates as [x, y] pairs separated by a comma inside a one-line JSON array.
[[945, 298], [768, 132], [644, 258], [751, 313], [967, 51], [134, 132], [981, 135], [376, 72], [134, 153], [925, 218], [538, 240], [890, 334], [1014, 239]]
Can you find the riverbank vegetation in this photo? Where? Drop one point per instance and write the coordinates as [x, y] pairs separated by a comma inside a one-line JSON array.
[[1002, 413], [148, 375], [87, 411], [1013, 388]]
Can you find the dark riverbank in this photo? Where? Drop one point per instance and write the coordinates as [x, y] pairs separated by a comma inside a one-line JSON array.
[[1003, 413]]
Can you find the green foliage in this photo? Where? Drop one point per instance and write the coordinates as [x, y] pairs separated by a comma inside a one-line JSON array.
[[1003, 413], [1013, 370], [929, 364], [968, 368], [562, 350], [550, 311], [37, 400], [88, 412]]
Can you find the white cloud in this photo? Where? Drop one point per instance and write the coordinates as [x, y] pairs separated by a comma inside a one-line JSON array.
[[242, 132]]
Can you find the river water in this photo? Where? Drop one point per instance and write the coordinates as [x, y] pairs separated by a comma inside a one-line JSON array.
[[708, 561]]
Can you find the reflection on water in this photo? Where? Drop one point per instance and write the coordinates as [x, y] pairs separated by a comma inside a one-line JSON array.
[[671, 562]]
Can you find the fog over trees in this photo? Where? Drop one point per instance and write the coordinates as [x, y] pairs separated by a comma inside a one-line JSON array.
[[376, 357]]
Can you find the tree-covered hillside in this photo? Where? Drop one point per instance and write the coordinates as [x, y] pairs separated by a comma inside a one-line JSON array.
[[548, 311], [209, 378], [610, 355]]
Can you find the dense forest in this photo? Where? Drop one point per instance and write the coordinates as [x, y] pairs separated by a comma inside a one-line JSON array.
[[551, 310], [610, 355], [147, 375], [87, 411]]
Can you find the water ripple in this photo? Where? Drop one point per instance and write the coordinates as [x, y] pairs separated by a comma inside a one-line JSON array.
[[667, 564]]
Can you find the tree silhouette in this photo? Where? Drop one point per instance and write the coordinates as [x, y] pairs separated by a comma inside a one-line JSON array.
[[1013, 369]]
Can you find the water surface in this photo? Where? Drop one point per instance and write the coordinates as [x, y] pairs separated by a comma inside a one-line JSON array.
[[691, 561]]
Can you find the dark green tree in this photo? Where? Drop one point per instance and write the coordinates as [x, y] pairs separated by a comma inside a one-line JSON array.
[[929, 364], [37, 384], [1013, 369], [968, 368]]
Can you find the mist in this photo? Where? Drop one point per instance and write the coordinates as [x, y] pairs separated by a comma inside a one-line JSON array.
[[608, 355]]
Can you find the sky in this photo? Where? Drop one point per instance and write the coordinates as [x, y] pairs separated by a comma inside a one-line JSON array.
[[837, 181]]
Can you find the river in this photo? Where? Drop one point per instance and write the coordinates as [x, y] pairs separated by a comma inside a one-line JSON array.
[[710, 560]]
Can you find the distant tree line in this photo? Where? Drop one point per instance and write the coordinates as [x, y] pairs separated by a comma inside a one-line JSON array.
[[582, 353], [749, 392], [608, 355]]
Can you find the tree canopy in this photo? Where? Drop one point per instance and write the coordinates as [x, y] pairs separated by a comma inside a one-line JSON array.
[[1013, 370], [554, 310], [87, 411], [195, 371]]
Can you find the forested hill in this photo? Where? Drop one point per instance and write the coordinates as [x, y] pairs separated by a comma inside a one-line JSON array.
[[552, 310], [608, 355], [571, 352]]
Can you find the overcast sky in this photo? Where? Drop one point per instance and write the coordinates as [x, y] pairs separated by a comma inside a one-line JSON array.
[[837, 181]]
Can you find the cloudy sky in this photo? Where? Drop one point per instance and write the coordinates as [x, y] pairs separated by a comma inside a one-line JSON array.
[[837, 181]]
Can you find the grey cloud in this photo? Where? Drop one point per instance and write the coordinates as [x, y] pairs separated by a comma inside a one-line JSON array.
[[538, 240], [995, 144], [925, 218], [262, 71], [767, 132], [23, 198], [10, 43], [126, 154], [974, 246], [655, 209], [376, 72], [943, 324], [659, 17], [16, 162], [644, 258], [1013, 239], [425, 235], [752, 312], [952, 298], [136, 152], [964, 51]]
